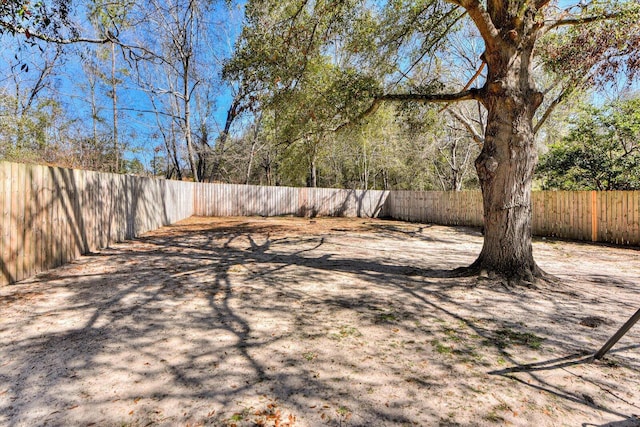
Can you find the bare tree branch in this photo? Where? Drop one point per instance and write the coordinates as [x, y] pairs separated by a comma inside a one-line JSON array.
[[465, 95], [477, 138]]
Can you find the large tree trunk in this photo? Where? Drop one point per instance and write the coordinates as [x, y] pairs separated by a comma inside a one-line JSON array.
[[507, 162], [505, 168]]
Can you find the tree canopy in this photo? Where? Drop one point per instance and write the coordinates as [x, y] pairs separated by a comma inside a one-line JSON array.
[[601, 152]]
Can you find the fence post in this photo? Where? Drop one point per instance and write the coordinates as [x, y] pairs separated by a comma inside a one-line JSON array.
[[594, 216]]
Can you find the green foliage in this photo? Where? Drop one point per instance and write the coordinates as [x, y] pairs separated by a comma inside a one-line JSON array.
[[602, 151], [311, 71], [25, 134], [109, 16], [598, 51], [48, 18], [45, 133]]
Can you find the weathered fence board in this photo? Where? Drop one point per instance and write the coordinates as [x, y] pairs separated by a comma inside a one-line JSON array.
[[439, 207]]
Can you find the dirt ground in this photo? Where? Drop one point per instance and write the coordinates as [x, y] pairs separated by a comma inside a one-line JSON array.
[[298, 322]]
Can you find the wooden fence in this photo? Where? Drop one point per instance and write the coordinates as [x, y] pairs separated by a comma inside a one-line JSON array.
[[606, 216], [251, 200], [598, 216], [437, 207], [49, 216]]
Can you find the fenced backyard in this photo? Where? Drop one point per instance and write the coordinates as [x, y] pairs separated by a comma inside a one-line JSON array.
[[52, 215], [257, 306], [284, 321]]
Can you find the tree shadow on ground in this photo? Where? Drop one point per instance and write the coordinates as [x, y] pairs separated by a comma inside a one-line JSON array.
[[242, 324]]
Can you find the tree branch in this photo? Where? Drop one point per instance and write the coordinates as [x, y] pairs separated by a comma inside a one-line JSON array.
[[549, 110], [468, 85], [541, 3], [426, 50], [40, 36], [142, 111], [465, 95], [477, 138], [482, 19], [580, 21], [559, 100]]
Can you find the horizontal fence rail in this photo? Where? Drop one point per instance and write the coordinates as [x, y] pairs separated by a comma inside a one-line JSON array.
[[49, 216]]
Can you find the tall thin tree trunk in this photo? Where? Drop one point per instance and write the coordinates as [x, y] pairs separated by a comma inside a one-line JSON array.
[[174, 153], [94, 114], [114, 98], [252, 153], [187, 122], [91, 164], [222, 140], [312, 180]]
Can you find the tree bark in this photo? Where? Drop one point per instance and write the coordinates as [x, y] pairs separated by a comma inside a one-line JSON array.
[[505, 168], [114, 99], [187, 122], [508, 158], [232, 113]]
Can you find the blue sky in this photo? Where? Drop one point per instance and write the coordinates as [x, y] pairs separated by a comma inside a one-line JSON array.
[[69, 83]]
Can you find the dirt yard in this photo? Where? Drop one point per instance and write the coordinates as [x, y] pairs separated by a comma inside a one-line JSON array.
[[298, 322]]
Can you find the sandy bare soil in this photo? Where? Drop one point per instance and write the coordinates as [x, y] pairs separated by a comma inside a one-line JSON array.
[[298, 322]]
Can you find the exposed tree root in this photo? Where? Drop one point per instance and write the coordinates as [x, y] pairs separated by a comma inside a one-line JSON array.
[[532, 278]]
